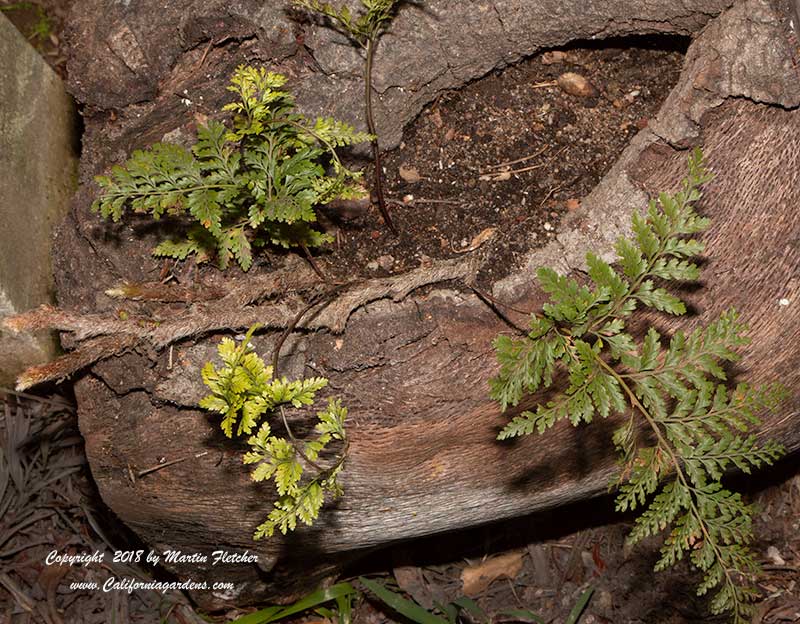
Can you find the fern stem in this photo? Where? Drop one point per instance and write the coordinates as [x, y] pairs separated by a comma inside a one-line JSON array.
[[376, 153], [680, 475], [297, 448], [614, 311]]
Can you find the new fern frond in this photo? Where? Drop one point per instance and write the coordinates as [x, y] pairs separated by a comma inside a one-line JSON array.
[[255, 181], [246, 394], [365, 29], [683, 427]]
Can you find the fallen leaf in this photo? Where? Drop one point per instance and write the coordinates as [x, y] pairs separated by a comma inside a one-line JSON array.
[[575, 84], [478, 240], [411, 581], [477, 578], [409, 174]]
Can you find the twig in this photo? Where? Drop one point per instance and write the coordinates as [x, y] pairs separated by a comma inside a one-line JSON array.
[[552, 190], [541, 85], [147, 471], [497, 176], [205, 54], [513, 162], [312, 262], [21, 598], [492, 303]]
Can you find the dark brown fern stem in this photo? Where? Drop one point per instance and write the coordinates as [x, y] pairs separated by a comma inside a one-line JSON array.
[[376, 153]]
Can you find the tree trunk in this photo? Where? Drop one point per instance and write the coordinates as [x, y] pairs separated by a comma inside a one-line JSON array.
[[412, 365]]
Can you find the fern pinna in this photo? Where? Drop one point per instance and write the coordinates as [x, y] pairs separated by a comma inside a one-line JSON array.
[[245, 393], [253, 182], [684, 427]]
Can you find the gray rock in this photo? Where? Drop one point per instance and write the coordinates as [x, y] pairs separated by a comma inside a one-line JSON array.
[[38, 161]]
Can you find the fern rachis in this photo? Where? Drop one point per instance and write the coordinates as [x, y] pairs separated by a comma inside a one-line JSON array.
[[677, 393]]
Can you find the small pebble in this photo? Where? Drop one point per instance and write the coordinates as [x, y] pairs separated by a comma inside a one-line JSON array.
[[783, 302], [409, 174], [386, 262], [577, 85], [372, 266], [774, 555], [547, 226]]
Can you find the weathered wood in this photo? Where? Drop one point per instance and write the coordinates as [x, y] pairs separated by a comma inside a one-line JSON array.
[[413, 369]]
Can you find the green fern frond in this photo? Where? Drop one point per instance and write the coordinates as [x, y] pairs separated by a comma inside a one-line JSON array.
[[245, 393], [697, 428], [259, 178]]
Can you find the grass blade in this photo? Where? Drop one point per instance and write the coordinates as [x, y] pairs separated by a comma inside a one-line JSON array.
[[518, 615], [274, 613], [580, 606], [396, 602]]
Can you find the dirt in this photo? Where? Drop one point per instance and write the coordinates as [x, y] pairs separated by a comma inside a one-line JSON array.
[[495, 165]]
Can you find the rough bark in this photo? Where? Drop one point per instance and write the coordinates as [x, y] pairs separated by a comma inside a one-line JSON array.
[[413, 366]]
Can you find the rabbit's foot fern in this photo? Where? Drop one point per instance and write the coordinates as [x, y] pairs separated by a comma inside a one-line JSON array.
[[246, 394], [684, 426], [253, 182]]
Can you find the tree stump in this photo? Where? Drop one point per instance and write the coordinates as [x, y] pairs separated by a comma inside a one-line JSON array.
[[411, 356]]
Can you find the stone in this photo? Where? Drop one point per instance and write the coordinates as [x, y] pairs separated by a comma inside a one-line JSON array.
[[38, 159]]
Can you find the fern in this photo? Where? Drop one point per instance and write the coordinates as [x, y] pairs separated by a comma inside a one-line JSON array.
[[364, 29], [245, 393], [675, 391], [255, 181]]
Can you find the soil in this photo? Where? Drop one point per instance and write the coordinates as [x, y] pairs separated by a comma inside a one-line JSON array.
[[455, 180], [495, 165]]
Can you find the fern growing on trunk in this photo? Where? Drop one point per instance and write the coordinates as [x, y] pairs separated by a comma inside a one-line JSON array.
[[365, 29], [684, 427], [253, 182], [246, 394]]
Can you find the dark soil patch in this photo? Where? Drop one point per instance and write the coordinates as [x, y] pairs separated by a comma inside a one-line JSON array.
[[511, 152]]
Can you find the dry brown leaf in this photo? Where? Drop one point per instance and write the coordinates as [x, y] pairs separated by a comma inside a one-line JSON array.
[[411, 581], [478, 240], [477, 578], [554, 56]]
